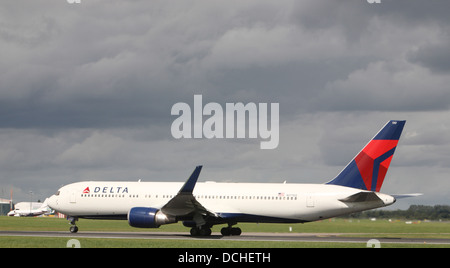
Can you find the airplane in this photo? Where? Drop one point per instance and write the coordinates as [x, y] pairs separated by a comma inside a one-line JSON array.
[[200, 205], [23, 209]]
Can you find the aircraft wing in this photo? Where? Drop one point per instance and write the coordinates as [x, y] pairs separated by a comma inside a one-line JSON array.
[[185, 204]]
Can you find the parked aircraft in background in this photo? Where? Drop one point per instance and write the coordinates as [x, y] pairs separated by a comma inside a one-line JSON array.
[[30, 209]]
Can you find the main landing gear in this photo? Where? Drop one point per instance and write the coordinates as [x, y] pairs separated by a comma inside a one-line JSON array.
[[73, 227], [206, 231], [201, 231], [229, 231]]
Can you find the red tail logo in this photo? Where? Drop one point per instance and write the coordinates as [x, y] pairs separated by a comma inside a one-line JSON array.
[[86, 191], [373, 162]]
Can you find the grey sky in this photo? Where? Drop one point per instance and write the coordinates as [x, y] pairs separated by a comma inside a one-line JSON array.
[[86, 89]]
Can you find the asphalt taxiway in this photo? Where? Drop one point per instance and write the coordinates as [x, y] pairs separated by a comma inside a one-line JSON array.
[[284, 237]]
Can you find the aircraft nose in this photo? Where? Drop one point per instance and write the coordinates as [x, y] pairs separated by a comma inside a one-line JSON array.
[[53, 202]]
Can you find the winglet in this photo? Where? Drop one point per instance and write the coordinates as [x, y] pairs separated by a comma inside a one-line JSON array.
[[189, 185]]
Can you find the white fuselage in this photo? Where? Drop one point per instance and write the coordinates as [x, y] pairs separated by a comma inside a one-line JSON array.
[[265, 202]]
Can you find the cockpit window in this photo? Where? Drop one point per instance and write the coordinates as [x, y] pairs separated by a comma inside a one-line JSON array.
[[57, 193]]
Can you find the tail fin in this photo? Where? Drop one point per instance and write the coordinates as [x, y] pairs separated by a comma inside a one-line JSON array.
[[367, 170]]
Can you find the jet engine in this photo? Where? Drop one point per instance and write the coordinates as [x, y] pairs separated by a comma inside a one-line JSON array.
[[142, 217]]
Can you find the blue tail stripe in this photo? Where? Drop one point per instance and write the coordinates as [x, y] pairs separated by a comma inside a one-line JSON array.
[[350, 177], [376, 167], [391, 131]]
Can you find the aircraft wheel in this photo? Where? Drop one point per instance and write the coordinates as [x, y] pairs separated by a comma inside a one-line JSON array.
[[205, 232], [201, 232], [236, 231], [74, 229], [195, 231], [227, 231]]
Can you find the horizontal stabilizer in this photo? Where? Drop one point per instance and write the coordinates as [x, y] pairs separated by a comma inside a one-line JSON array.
[[399, 196], [361, 197]]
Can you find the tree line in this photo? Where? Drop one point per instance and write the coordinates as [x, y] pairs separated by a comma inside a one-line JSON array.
[[414, 212]]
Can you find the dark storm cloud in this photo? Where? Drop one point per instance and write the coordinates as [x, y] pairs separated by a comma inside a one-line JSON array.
[[436, 57], [416, 11], [95, 69], [126, 63]]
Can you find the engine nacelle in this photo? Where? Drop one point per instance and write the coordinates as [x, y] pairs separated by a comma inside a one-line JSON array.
[[142, 217]]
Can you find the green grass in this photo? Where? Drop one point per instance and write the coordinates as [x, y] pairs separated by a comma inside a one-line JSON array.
[[365, 228], [60, 242], [438, 229]]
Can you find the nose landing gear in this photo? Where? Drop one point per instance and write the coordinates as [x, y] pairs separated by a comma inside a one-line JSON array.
[[73, 227]]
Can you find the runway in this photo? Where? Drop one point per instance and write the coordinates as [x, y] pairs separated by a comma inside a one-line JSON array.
[[284, 237]]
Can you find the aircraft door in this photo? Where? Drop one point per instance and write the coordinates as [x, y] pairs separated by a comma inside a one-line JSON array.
[[73, 198], [310, 202]]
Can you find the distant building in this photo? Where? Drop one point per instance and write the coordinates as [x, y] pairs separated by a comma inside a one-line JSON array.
[[5, 206]]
